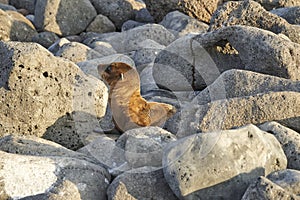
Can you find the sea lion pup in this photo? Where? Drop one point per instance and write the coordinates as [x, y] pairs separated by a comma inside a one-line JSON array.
[[129, 109]]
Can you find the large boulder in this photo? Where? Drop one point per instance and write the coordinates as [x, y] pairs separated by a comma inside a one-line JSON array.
[[221, 165], [15, 27], [51, 177], [271, 4], [63, 17], [290, 14], [46, 96], [251, 13], [25, 4]]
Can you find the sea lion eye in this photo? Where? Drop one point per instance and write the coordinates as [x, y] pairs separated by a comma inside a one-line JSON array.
[[108, 69]]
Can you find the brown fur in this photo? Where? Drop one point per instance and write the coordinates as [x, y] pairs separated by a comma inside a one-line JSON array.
[[130, 110]]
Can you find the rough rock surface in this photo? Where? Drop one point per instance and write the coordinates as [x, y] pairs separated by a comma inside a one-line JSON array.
[[118, 11], [101, 24], [221, 164], [51, 175], [46, 39], [25, 4], [15, 27], [241, 83], [199, 9], [290, 14], [250, 13], [270, 4], [289, 140], [144, 146], [30, 76], [142, 183], [63, 17], [236, 112], [265, 189]]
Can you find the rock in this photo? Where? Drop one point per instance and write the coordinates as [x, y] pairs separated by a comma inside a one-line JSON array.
[[290, 14], [221, 165], [6, 7], [26, 4], [288, 179], [147, 81], [259, 50], [143, 15], [130, 24], [58, 44], [105, 151], [132, 39], [199, 9], [289, 140], [46, 39], [63, 17], [15, 26], [142, 183], [236, 112], [51, 175], [182, 24], [240, 83], [103, 48], [121, 193], [118, 11], [101, 24], [265, 189], [90, 66], [4, 1], [62, 103], [77, 52], [144, 146], [250, 13], [270, 4]]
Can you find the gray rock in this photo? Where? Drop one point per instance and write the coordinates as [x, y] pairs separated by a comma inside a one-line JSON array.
[[132, 39], [270, 4], [130, 24], [221, 164], [62, 103], [90, 66], [251, 13], [26, 4], [103, 48], [142, 183], [118, 11], [6, 7], [265, 189], [288, 179], [144, 146], [15, 27], [199, 9], [121, 193], [46, 39], [147, 81], [88, 38], [240, 83], [57, 45], [59, 176], [236, 112], [143, 15], [183, 24], [101, 24], [260, 50], [289, 140], [63, 17], [290, 14], [77, 52]]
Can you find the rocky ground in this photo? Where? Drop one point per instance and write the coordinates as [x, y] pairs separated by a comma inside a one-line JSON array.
[[231, 68]]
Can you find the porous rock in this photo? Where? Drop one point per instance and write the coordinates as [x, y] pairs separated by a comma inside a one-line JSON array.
[[251, 13], [199, 9], [240, 83], [288, 179], [290, 14], [46, 39], [144, 146], [265, 189], [101, 24], [289, 140], [63, 17], [182, 24], [57, 95], [118, 11], [77, 52], [103, 48], [270, 4], [132, 39], [221, 164], [142, 183], [15, 27], [51, 175], [121, 193], [236, 112]]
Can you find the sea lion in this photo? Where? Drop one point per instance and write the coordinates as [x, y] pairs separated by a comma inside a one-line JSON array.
[[129, 109]]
